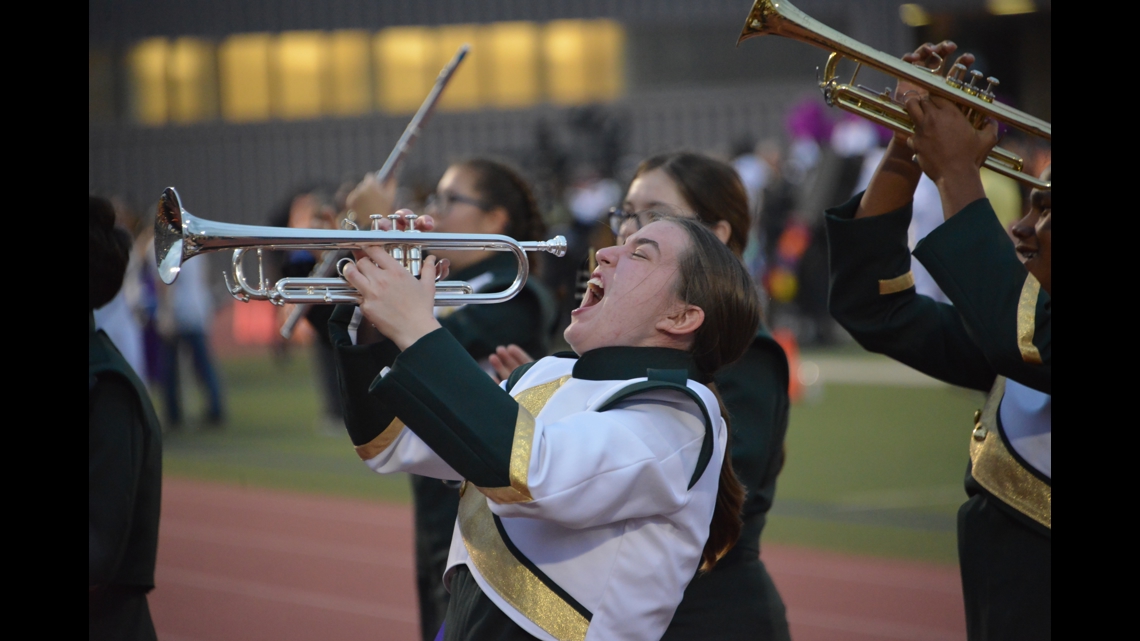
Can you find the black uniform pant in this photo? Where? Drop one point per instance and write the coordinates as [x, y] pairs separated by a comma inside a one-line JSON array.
[[471, 616], [1006, 574], [119, 614]]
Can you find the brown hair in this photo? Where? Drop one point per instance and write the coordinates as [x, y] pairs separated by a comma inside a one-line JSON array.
[[712, 188], [108, 252], [500, 185], [715, 280]]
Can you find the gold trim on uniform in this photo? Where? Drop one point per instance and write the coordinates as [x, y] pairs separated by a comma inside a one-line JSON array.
[[896, 284], [531, 401], [995, 469], [512, 580], [1027, 320], [370, 449]]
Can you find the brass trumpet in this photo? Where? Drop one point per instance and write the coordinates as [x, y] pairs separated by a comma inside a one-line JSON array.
[[778, 17], [179, 236]]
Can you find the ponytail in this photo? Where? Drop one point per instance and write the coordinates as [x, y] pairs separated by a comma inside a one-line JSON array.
[[726, 525]]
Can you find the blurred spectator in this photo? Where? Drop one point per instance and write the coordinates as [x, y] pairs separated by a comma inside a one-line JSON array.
[[184, 319], [124, 452]]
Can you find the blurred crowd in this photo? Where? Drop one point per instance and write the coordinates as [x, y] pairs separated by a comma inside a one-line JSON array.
[[579, 167]]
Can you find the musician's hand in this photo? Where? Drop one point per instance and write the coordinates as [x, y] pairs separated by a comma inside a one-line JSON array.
[[397, 303], [506, 360], [929, 56], [950, 150], [370, 197]]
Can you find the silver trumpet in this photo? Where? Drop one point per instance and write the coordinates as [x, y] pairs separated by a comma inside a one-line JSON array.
[[179, 236]]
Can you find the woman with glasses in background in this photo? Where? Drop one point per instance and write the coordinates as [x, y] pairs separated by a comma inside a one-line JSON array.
[[737, 598], [477, 196]]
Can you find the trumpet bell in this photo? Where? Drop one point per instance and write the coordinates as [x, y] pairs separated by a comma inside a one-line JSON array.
[[168, 235]]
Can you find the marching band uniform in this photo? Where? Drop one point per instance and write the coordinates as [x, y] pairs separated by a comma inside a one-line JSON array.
[[755, 393], [124, 488], [589, 483], [524, 320], [996, 337]]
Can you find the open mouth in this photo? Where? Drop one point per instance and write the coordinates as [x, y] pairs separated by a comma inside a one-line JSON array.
[[595, 291], [1027, 253]]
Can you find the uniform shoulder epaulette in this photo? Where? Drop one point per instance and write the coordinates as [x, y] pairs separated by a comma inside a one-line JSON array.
[[670, 379]]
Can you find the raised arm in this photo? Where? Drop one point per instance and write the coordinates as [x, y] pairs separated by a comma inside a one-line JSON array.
[[971, 257], [872, 296]]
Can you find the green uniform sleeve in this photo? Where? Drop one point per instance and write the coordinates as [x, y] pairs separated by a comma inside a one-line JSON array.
[[442, 395], [356, 367], [115, 443], [868, 259], [755, 393], [1008, 315]]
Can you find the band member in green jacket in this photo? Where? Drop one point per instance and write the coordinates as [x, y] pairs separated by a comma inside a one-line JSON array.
[[124, 454], [995, 337], [737, 599], [595, 483], [475, 196]]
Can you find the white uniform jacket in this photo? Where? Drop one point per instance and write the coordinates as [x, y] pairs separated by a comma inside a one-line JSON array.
[[602, 501]]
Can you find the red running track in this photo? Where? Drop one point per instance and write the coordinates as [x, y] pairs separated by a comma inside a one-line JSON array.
[[245, 564]]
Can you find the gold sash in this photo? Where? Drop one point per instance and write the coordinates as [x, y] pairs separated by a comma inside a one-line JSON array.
[[510, 578], [995, 469]]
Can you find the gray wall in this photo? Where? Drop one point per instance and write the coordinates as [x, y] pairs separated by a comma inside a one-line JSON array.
[[236, 173]]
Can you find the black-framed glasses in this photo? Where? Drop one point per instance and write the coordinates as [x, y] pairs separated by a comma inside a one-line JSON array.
[[443, 202], [618, 216]]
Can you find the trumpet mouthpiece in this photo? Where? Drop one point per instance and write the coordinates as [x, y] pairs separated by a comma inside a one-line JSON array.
[[556, 246]]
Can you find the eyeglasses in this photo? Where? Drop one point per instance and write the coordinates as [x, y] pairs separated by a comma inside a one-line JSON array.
[[618, 216], [443, 202]]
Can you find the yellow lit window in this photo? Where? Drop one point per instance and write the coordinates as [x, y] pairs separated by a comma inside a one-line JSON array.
[[913, 15], [1009, 7], [404, 60], [509, 63], [567, 72], [243, 63], [299, 58], [605, 48], [191, 80], [351, 87], [463, 92], [147, 61]]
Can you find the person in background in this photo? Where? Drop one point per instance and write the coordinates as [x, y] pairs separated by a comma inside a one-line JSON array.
[[477, 196], [185, 317], [737, 599], [996, 336], [124, 452]]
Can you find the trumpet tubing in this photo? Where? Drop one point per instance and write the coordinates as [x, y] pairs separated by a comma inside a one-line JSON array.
[[780, 18], [180, 236]]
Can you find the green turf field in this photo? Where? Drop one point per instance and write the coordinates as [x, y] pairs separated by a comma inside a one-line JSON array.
[[871, 469]]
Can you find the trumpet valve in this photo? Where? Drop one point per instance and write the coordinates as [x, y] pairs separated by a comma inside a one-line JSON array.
[[394, 218], [375, 218], [972, 88], [397, 252], [988, 94], [411, 220], [956, 75], [415, 259]]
